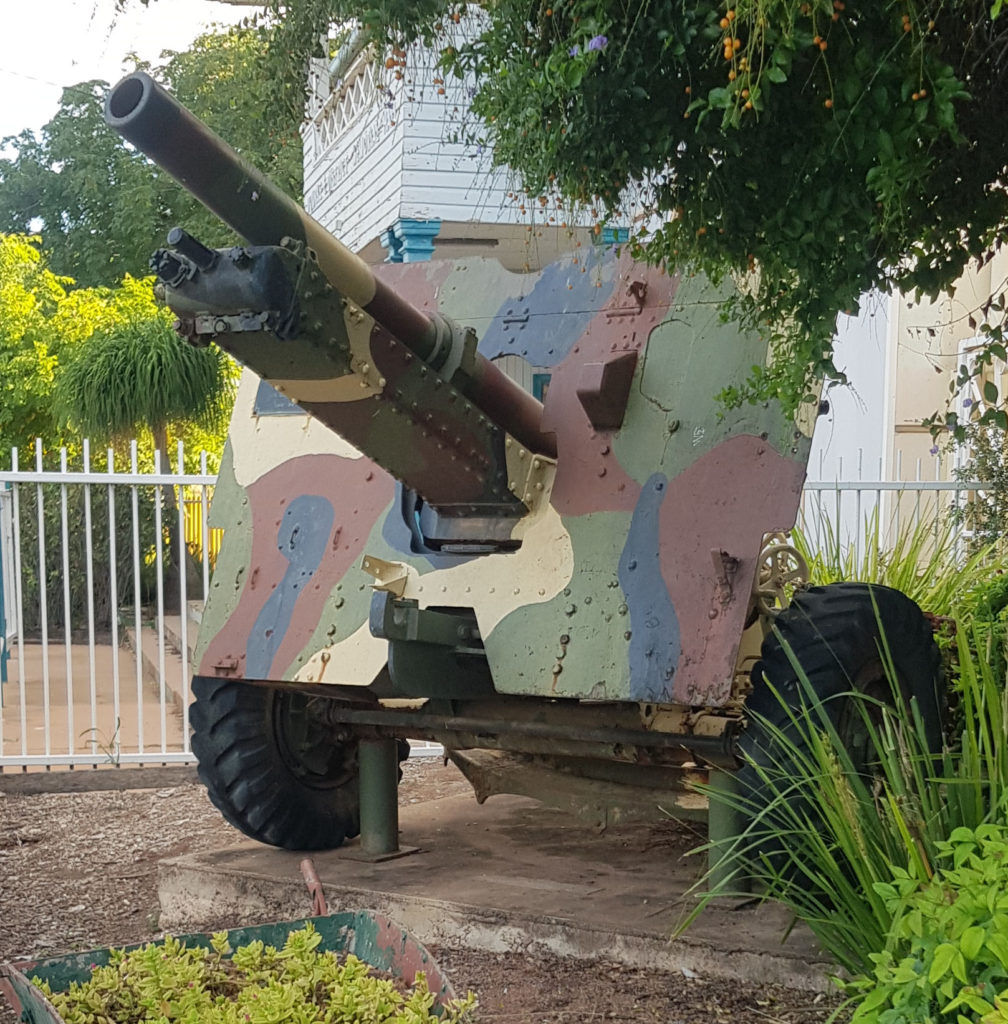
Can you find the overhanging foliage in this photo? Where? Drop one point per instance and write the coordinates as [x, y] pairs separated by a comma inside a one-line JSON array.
[[811, 149]]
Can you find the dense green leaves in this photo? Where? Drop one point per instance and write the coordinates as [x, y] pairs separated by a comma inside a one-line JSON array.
[[947, 958], [100, 207], [827, 146], [136, 372], [97, 362], [31, 298], [298, 983]]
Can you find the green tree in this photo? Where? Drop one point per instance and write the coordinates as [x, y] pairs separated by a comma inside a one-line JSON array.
[[134, 373], [100, 208], [51, 329], [811, 149], [41, 318]]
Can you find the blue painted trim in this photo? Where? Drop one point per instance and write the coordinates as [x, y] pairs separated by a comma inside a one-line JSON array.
[[392, 244], [540, 385], [615, 236], [410, 241]]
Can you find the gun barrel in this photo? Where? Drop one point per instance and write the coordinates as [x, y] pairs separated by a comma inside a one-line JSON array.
[[149, 117], [245, 199]]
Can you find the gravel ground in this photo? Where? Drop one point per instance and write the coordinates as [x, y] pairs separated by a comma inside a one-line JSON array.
[[78, 871]]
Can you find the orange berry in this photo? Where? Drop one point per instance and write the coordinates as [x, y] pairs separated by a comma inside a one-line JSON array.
[[724, 23], [730, 15], [822, 44], [923, 93], [390, 63], [701, 231], [836, 15], [731, 76], [828, 103], [549, 12], [688, 90], [748, 105], [907, 26], [745, 94], [816, 40]]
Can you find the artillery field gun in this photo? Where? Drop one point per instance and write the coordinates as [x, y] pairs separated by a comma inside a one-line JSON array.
[[574, 596]]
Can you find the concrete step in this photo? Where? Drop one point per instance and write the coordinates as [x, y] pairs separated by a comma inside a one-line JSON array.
[[176, 690], [513, 875]]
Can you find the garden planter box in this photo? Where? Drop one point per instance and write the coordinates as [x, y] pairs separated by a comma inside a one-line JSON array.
[[370, 937]]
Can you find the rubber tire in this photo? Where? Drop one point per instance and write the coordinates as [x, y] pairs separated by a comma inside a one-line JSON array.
[[834, 632], [253, 778]]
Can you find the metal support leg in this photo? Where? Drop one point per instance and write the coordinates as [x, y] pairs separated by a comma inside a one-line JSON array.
[[379, 797], [724, 823]]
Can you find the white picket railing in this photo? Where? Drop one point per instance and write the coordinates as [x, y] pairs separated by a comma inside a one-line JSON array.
[[72, 694], [94, 670]]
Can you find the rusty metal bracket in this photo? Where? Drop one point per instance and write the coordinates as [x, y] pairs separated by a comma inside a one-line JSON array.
[[319, 906], [725, 568]]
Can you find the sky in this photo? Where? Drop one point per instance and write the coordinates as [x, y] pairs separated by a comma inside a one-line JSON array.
[[48, 44]]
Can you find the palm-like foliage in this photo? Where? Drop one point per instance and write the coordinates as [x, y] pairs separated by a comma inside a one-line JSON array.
[[137, 373]]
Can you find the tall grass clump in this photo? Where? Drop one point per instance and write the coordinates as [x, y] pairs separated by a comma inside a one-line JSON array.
[[827, 837], [930, 566]]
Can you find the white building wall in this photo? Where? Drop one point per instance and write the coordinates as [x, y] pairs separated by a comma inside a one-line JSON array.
[[384, 144]]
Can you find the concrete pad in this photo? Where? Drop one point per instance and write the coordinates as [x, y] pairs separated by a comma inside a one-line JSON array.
[[512, 875]]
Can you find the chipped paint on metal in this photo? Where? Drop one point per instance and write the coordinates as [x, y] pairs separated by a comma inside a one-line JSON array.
[[264, 442], [358, 494], [654, 627], [301, 539], [563, 614], [565, 297], [355, 661], [230, 512], [745, 486], [528, 645]]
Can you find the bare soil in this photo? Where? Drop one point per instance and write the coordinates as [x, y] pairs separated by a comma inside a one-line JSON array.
[[78, 871]]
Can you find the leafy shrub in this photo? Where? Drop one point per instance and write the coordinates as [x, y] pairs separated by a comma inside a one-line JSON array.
[[947, 954], [866, 830], [985, 513], [930, 568], [986, 604], [259, 984]]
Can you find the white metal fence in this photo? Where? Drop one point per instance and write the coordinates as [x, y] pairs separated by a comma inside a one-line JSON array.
[[93, 611], [96, 628], [852, 515]]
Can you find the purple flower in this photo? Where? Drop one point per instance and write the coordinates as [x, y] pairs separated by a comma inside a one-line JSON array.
[[597, 43], [574, 50], [967, 402], [934, 450]]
